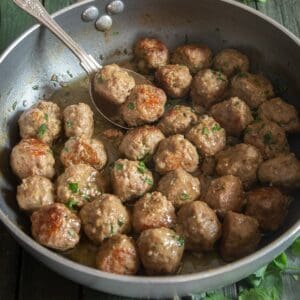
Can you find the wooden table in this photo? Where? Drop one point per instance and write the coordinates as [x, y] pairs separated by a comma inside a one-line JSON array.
[[24, 278]]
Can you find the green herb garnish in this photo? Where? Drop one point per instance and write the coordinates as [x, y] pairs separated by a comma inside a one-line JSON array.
[[296, 247], [68, 124], [142, 167], [184, 196], [111, 228], [268, 138], [149, 181], [66, 149], [180, 240], [46, 116], [120, 222], [42, 130], [131, 106], [71, 204], [205, 131], [216, 127], [73, 187], [118, 166]]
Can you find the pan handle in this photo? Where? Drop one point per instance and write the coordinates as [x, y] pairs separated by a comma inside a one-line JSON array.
[[36, 9]]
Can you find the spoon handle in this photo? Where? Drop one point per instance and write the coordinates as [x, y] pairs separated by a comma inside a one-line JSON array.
[[36, 9]]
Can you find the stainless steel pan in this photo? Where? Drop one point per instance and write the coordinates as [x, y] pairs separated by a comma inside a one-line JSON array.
[[36, 55]]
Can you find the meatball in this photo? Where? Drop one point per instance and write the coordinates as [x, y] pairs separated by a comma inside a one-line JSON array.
[[130, 179], [199, 225], [208, 87], [56, 227], [42, 121], [141, 142], [104, 217], [160, 250], [175, 152], [241, 160], [231, 62], [268, 137], [208, 166], [82, 150], [79, 184], [118, 255], [208, 136], [145, 104], [113, 84], [177, 120], [282, 170], [150, 54], [234, 115], [175, 80], [179, 187], [240, 236], [78, 120], [205, 181], [254, 89], [280, 112], [34, 193], [32, 157], [195, 57], [268, 206], [225, 193], [153, 211]]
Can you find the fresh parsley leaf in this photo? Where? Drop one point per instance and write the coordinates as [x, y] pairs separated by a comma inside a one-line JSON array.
[[42, 130], [296, 247], [184, 196], [118, 166], [180, 240], [149, 181], [46, 116], [215, 296], [205, 131], [216, 127], [73, 187], [281, 261], [259, 294], [256, 278], [68, 124], [120, 222], [112, 228], [268, 138], [131, 106], [71, 204], [142, 167]]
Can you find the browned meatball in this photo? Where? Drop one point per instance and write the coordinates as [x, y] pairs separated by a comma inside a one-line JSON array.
[[42, 121], [175, 80], [160, 250], [280, 112], [150, 54], [177, 120], [231, 62], [240, 236], [32, 157], [153, 211], [225, 193], [145, 104], [195, 57], [118, 255], [141, 142], [208, 136], [205, 181], [254, 89], [175, 152], [179, 187], [208, 166], [268, 137], [130, 179], [104, 217], [113, 84], [282, 170], [56, 227], [199, 225], [268, 206], [234, 115], [78, 120], [241, 160], [208, 87]]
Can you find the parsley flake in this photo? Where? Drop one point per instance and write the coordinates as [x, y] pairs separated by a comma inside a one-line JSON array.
[[120, 222], [112, 228], [118, 166], [216, 127], [205, 131], [149, 181], [71, 204], [184, 196], [68, 124], [142, 167], [42, 130], [46, 116], [73, 187], [180, 240], [131, 106]]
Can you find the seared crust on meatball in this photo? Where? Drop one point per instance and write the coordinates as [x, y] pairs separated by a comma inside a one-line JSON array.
[[208, 136], [104, 217], [195, 57], [56, 227], [179, 187], [280, 112], [268, 206], [241, 160], [231, 62], [42, 121], [240, 236], [153, 211], [141, 142], [150, 54], [177, 120], [145, 104], [268, 137], [282, 170], [234, 115], [175, 152], [118, 255], [160, 250], [81, 150], [254, 89], [78, 120], [32, 157], [130, 179], [34, 193], [199, 225], [208, 87]]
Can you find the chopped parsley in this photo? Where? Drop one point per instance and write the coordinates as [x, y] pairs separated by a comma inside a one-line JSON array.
[[205, 131], [46, 116], [149, 181], [112, 228], [131, 106], [71, 233], [268, 138], [71, 204], [180, 240], [216, 127], [118, 166], [120, 222], [142, 167], [184, 196], [68, 124], [73, 187], [42, 130]]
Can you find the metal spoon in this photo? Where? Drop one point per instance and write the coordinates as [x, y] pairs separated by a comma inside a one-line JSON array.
[[88, 63]]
